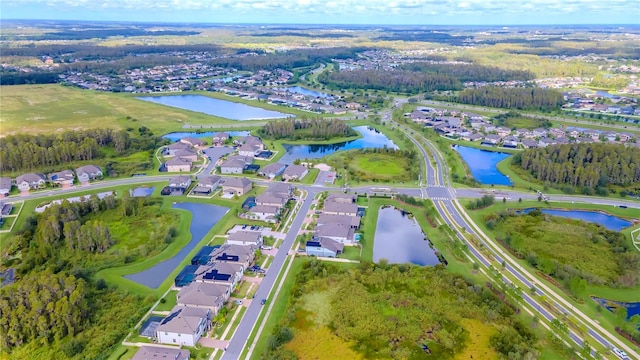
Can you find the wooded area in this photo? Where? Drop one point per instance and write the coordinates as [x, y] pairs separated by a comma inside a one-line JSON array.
[[583, 165], [306, 129], [399, 312], [575, 252], [403, 81], [469, 72], [511, 98]]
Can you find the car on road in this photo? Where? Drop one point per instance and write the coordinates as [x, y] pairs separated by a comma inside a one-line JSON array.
[[263, 301], [619, 353]]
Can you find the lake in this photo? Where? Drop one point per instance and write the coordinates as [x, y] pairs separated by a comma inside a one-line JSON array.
[[399, 239], [633, 308], [306, 92], [484, 165], [371, 138], [205, 216], [175, 136], [216, 107], [609, 221]]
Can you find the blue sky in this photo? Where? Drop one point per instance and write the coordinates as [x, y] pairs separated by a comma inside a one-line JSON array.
[[422, 12]]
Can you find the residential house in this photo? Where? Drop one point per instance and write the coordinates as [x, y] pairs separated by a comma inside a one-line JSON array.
[[272, 199], [250, 146], [264, 213], [207, 184], [184, 326], [324, 247], [87, 173], [352, 221], [338, 232], [178, 165], [472, 137], [557, 132], [31, 181], [235, 164], [220, 138], [510, 142], [237, 186], [180, 182], [204, 295], [562, 140], [241, 237], [62, 178], [294, 173], [272, 170], [282, 189], [529, 144], [148, 352], [503, 131], [334, 208], [491, 140], [5, 186], [352, 105], [170, 150], [544, 142], [189, 140], [341, 198], [523, 133], [220, 273], [232, 253], [625, 136], [540, 132], [187, 154]]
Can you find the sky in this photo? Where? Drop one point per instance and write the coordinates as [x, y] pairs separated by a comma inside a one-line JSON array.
[[409, 12]]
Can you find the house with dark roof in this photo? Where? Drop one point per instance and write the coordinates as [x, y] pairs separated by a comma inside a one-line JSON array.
[[5, 186], [272, 170], [236, 254], [204, 295], [62, 178], [148, 352], [31, 181], [529, 144], [88, 172], [237, 186], [184, 326], [323, 247], [294, 173]]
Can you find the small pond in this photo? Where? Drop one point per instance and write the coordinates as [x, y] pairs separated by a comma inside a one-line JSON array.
[[175, 136], [484, 165], [205, 216], [633, 308], [371, 138], [609, 221], [141, 191], [216, 107], [306, 92], [399, 239]]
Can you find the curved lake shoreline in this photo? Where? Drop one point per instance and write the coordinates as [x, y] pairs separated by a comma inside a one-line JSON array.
[[483, 165], [600, 217]]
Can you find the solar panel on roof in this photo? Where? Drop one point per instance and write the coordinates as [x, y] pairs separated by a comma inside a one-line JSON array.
[[170, 317]]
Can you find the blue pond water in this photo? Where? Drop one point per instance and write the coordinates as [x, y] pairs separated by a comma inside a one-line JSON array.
[[141, 191], [633, 308], [371, 138], [399, 239], [484, 165], [175, 136], [216, 107], [205, 216], [306, 92], [609, 221]]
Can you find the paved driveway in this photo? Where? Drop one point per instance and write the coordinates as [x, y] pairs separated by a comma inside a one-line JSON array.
[[215, 153]]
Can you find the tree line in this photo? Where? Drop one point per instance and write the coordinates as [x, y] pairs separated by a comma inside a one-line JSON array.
[[403, 81], [511, 98], [582, 165], [469, 72], [27, 152], [307, 129]]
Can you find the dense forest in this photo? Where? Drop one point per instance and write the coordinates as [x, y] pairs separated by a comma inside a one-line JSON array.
[[582, 165], [469, 72], [29, 152], [288, 60], [56, 309], [83, 52], [387, 311], [306, 129], [77, 34], [511, 98], [403, 81], [511, 118], [575, 252]]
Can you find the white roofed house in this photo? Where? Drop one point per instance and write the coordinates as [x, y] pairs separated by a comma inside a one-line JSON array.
[[184, 326], [294, 173], [62, 178], [178, 164], [5, 186], [272, 170], [87, 173], [31, 181], [264, 213]]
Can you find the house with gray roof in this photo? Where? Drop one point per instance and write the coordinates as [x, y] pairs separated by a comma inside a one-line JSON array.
[[5, 186], [245, 238], [272, 199], [323, 247], [184, 326], [491, 139], [236, 254], [294, 173], [510, 142], [264, 213], [87, 173], [62, 178], [180, 182], [207, 184], [352, 221], [339, 232], [178, 164], [31, 181], [529, 144], [190, 140], [272, 170], [237, 186], [341, 198], [335, 208], [148, 352], [235, 164], [204, 295], [219, 138], [170, 150], [220, 273]]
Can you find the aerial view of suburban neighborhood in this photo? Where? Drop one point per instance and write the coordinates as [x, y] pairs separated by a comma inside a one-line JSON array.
[[279, 180]]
